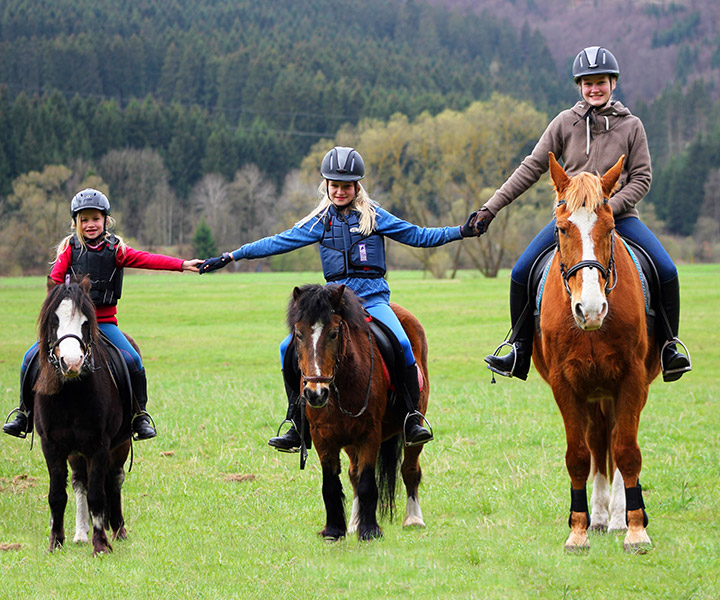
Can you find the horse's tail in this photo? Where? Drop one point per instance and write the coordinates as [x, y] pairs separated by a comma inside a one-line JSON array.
[[387, 471]]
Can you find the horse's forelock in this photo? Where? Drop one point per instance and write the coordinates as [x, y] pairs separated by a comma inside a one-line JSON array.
[[81, 301], [313, 303], [585, 189]]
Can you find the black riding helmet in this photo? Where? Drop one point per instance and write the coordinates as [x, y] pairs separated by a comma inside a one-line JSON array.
[[343, 164], [594, 60], [89, 198]]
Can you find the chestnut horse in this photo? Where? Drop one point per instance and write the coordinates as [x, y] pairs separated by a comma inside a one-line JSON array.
[[80, 417], [594, 349], [349, 405]]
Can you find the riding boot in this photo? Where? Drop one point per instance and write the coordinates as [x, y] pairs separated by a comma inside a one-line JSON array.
[[23, 422], [290, 441], [516, 363], [142, 423], [414, 432], [674, 363]]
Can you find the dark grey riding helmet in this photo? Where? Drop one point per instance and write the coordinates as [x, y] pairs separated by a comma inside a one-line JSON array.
[[89, 198], [343, 164], [594, 60]]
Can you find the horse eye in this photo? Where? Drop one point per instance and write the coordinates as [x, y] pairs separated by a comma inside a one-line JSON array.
[[298, 336], [561, 230], [333, 334]]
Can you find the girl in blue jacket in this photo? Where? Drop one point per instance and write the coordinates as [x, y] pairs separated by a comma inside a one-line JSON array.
[[350, 228]]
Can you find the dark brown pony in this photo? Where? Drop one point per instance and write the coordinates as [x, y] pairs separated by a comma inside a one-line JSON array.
[[79, 417], [594, 350], [348, 406]]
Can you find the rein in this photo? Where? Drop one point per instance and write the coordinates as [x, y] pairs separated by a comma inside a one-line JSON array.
[[331, 380], [608, 273], [86, 348]]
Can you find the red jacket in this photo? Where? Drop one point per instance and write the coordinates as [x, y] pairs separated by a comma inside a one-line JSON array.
[[137, 259]]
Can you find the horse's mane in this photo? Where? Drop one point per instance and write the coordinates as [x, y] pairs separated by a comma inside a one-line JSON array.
[[585, 189], [315, 303], [77, 291]]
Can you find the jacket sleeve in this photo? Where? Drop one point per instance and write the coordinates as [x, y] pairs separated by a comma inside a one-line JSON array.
[[531, 168], [61, 266], [396, 229], [638, 168], [139, 259], [280, 243]]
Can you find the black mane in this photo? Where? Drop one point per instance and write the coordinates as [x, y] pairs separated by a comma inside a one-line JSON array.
[[312, 303]]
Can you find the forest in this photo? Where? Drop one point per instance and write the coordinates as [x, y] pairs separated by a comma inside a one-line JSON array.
[[213, 115]]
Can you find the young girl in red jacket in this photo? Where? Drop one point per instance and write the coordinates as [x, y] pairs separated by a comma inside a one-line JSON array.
[[93, 250]]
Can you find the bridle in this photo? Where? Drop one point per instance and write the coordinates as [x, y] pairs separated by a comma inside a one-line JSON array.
[[343, 333], [85, 347], [608, 273]]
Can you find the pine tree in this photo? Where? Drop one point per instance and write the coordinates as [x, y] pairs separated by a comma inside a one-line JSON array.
[[203, 241]]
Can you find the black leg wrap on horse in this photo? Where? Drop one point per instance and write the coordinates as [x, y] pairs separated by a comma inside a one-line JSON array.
[[578, 503], [634, 501]]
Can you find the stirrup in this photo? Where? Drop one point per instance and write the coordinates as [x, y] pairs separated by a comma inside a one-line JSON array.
[[18, 410], [422, 419], [678, 372], [288, 450], [511, 372], [142, 413]]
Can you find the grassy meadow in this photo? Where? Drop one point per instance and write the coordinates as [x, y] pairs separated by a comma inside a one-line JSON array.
[[214, 513]]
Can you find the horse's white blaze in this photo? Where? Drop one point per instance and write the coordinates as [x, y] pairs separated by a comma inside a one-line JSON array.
[[70, 321], [592, 296], [599, 502], [82, 514], [413, 514], [617, 504], [317, 330]]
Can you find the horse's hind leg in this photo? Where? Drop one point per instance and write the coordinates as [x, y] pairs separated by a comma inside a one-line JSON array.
[[354, 522], [412, 475], [598, 441], [113, 490], [80, 485]]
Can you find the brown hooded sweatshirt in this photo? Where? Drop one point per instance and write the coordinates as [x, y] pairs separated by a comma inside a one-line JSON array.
[[588, 142]]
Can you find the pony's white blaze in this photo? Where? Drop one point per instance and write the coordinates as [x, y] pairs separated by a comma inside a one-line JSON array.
[[592, 302], [70, 322], [317, 330]]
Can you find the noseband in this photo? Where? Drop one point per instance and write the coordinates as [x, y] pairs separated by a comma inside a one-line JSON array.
[[86, 349], [608, 273]]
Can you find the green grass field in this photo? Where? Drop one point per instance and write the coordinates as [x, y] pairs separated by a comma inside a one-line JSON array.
[[213, 512]]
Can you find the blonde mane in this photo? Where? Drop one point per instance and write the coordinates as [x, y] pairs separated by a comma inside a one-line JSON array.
[[585, 189]]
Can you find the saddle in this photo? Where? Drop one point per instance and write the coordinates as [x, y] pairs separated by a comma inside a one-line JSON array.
[[643, 263], [115, 361]]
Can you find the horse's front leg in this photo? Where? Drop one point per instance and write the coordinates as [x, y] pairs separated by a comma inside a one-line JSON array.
[[332, 493], [113, 490], [57, 495], [367, 491], [628, 459], [577, 461], [98, 465]]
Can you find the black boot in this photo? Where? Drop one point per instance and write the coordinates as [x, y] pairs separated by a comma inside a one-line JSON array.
[[516, 363], [413, 431], [673, 363], [142, 423], [22, 424], [290, 441]]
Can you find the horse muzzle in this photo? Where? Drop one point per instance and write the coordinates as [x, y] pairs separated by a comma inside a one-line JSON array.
[[316, 395], [590, 317]]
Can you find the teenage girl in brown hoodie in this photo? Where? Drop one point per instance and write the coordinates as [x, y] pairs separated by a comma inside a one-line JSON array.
[[590, 136]]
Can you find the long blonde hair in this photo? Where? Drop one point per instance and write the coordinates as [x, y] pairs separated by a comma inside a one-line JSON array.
[[109, 226], [362, 203]]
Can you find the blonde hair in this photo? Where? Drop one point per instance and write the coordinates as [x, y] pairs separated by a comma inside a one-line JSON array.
[[109, 226], [362, 203]]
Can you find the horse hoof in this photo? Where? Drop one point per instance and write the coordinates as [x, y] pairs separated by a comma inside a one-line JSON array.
[[120, 534], [81, 539], [413, 522], [599, 528], [370, 534], [102, 550], [330, 535]]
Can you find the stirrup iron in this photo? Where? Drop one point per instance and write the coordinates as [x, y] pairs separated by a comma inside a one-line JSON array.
[[287, 450], [142, 413], [407, 444]]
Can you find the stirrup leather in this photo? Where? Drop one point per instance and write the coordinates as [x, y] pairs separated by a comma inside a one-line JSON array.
[[422, 420], [287, 450]]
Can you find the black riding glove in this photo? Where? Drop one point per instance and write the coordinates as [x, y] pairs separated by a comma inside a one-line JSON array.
[[212, 264], [468, 230], [482, 222]]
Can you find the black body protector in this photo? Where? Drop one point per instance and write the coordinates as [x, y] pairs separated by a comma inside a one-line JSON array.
[[105, 277]]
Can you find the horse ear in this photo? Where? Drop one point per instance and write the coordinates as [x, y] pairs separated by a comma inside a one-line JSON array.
[[86, 284], [610, 179], [336, 296], [559, 178], [297, 292]]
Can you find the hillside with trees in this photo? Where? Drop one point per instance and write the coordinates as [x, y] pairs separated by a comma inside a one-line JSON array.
[[197, 116]]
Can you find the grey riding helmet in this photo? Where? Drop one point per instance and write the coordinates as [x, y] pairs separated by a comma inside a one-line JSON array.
[[594, 60], [343, 164], [89, 198]]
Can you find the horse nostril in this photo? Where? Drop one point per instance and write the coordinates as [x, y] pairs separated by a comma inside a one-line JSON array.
[[579, 312]]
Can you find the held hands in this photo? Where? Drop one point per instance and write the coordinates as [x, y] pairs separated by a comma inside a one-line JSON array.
[[191, 265], [212, 264], [477, 223]]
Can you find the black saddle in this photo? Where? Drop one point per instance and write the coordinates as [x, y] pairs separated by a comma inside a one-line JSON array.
[[390, 350]]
